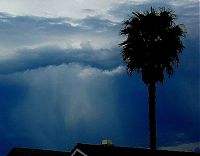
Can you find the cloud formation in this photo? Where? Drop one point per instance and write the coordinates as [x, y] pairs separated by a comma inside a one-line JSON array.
[[62, 78], [28, 59], [70, 100], [61, 8], [27, 31]]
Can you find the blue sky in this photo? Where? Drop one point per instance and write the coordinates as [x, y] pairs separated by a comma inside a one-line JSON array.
[[62, 79]]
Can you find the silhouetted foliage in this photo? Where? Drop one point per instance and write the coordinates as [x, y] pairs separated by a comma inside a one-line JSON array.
[[152, 48]]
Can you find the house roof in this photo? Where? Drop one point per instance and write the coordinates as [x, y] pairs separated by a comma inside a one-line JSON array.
[[35, 152], [98, 150], [103, 150]]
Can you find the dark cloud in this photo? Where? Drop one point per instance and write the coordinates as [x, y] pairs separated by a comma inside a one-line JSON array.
[[28, 59], [44, 103], [61, 100], [89, 11]]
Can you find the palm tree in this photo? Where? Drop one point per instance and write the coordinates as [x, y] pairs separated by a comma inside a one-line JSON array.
[[152, 48]]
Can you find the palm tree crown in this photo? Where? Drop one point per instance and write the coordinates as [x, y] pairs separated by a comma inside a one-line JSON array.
[[153, 44]]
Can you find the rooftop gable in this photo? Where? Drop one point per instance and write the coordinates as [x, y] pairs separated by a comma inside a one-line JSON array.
[[103, 150]]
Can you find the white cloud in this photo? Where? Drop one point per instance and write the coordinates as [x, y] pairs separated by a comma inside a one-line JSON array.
[[59, 8], [93, 72], [31, 32], [178, 3], [18, 32]]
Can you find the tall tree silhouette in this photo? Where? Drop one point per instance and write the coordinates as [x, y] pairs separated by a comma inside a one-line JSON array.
[[152, 48]]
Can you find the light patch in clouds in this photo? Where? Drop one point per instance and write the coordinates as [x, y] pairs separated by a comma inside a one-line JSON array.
[[61, 108], [92, 72], [182, 2], [189, 147]]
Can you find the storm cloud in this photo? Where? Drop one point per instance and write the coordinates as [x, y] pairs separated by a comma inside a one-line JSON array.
[[63, 81], [28, 59]]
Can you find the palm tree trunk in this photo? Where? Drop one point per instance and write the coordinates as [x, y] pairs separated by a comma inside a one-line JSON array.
[[152, 114]]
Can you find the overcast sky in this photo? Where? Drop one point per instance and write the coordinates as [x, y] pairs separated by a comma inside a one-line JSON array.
[[63, 81]]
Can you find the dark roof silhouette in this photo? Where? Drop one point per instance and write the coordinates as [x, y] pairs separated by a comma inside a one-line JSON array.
[[110, 150], [98, 150], [35, 152]]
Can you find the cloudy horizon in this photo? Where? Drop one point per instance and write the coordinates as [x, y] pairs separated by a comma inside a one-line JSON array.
[[63, 81]]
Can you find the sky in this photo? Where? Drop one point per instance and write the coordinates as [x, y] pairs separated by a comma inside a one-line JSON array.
[[63, 81]]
